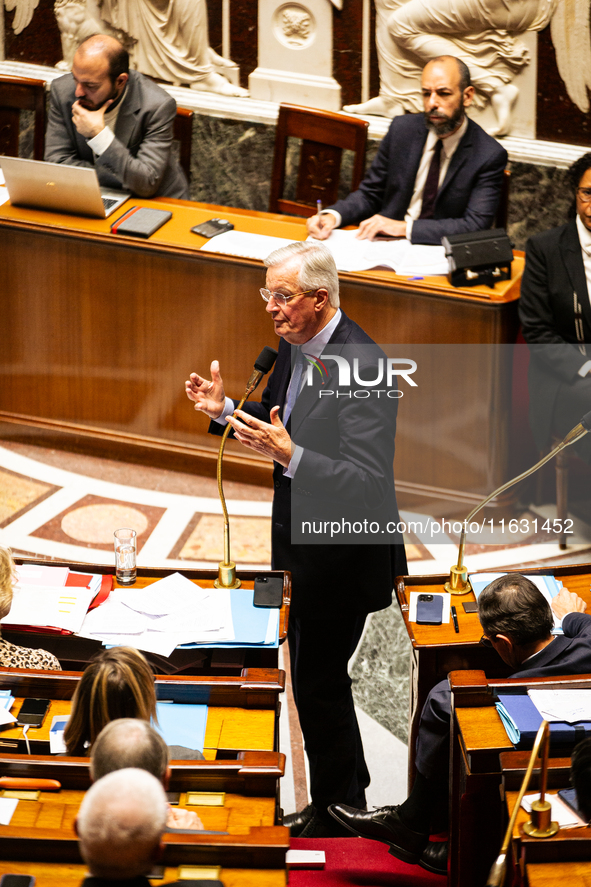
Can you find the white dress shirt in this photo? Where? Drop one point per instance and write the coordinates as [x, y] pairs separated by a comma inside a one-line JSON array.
[[448, 148], [585, 241]]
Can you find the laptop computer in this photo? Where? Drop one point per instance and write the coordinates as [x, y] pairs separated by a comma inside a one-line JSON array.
[[59, 187]]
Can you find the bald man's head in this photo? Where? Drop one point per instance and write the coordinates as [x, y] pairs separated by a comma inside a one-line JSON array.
[[129, 742], [120, 824], [101, 71]]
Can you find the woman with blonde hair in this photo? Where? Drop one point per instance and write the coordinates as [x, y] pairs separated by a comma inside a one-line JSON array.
[[12, 656], [117, 684]]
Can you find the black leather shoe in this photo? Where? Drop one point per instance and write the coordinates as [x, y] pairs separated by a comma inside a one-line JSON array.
[[385, 825], [434, 857], [297, 822]]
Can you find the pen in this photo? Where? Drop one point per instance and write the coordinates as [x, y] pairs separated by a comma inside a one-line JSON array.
[[318, 206], [454, 616]]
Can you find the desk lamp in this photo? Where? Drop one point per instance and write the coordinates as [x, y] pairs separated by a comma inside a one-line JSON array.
[[227, 567], [458, 577]]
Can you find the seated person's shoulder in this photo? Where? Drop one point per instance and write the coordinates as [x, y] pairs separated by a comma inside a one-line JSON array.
[[150, 91], [12, 656], [545, 240]]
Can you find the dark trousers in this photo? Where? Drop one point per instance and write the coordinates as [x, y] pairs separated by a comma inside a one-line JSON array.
[[432, 750], [319, 651]]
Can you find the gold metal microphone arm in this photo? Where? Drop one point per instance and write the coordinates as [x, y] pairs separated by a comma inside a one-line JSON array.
[[227, 567], [458, 579], [539, 826]]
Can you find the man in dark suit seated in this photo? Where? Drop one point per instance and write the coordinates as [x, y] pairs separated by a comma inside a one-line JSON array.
[[117, 120], [555, 314], [517, 621], [434, 174], [332, 454], [120, 825]]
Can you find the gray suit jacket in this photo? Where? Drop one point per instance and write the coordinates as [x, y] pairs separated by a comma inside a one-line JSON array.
[[139, 158]]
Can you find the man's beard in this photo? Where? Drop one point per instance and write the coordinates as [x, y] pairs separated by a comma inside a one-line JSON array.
[[448, 124], [91, 106]]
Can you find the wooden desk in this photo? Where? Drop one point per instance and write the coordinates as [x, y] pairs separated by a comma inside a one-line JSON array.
[[438, 650], [114, 325], [556, 874], [75, 652], [55, 874], [58, 810], [251, 774], [478, 742]]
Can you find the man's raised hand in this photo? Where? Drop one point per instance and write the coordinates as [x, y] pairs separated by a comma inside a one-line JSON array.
[[208, 396]]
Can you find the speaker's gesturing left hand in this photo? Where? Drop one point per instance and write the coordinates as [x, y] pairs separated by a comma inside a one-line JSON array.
[[269, 438]]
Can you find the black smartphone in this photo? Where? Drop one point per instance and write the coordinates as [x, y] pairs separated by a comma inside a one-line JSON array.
[[429, 609], [33, 712], [17, 881], [212, 227], [268, 591], [470, 607]]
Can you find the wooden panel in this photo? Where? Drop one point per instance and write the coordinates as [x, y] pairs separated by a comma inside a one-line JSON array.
[[114, 358], [48, 874]]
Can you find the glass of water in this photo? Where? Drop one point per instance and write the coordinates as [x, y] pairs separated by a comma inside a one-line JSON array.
[[125, 552]]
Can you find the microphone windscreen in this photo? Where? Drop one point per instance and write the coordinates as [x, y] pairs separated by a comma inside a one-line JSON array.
[[265, 360], [586, 421]]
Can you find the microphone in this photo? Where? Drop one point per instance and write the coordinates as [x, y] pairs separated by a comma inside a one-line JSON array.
[[458, 577], [227, 568]]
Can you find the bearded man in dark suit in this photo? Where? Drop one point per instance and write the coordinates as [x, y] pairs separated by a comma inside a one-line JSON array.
[[435, 174], [332, 457]]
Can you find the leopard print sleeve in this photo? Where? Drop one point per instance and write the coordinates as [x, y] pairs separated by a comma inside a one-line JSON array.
[[12, 656]]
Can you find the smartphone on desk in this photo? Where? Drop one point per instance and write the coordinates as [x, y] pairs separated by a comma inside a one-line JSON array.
[[33, 712], [212, 227], [429, 609]]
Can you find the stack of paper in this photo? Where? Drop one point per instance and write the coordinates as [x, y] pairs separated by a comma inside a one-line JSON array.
[[38, 605], [402, 256], [548, 585], [252, 625], [241, 243], [162, 616], [6, 702], [563, 815], [571, 706]]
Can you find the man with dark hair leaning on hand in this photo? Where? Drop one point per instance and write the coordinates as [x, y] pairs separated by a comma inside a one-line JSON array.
[[517, 621]]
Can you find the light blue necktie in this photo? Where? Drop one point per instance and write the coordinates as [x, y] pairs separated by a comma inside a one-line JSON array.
[[294, 388]]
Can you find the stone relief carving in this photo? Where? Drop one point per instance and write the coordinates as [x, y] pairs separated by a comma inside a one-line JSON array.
[[294, 26], [167, 39], [485, 35]]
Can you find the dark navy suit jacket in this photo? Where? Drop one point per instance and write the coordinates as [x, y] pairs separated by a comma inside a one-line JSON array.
[[469, 195], [554, 277], [568, 654], [348, 454]]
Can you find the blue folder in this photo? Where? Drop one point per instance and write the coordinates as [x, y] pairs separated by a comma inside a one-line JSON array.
[[182, 724], [250, 623], [527, 719]]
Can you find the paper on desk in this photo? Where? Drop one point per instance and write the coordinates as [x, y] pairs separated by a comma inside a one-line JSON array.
[[3, 190], [57, 607], [168, 595], [37, 574], [402, 256], [57, 746], [562, 705], [241, 243], [7, 808], [563, 815], [412, 607]]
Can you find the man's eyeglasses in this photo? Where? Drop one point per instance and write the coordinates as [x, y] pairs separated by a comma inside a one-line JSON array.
[[279, 298], [486, 642], [584, 194]]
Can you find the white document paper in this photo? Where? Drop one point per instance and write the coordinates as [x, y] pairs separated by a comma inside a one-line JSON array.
[[57, 746], [561, 814], [57, 607], [7, 808], [241, 243], [562, 705], [402, 256], [412, 607], [37, 574], [6, 717], [168, 595]]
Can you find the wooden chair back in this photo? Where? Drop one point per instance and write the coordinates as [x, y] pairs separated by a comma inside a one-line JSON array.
[[183, 133], [325, 135], [16, 95]]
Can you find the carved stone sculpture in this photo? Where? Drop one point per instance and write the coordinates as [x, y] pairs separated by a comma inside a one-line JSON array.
[[167, 39], [485, 35]]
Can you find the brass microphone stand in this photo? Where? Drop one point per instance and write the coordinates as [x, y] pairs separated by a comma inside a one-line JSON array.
[[458, 582], [540, 824]]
